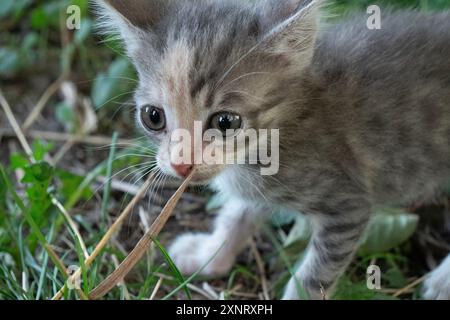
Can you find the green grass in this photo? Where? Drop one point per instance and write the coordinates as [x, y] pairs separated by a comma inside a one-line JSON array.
[[35, 239]]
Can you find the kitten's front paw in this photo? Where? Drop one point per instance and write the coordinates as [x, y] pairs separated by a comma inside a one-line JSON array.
[[191, 252], [295, 292], [292, 291], [437, 286]]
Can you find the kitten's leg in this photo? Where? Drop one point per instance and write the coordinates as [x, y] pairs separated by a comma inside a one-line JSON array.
[[437, 286], [334, 242], [233, 227]]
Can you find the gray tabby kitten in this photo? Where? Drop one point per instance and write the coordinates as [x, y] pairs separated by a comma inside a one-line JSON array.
[[364, 117]]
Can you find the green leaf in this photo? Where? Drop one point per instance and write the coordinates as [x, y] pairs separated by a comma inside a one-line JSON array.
[[66, 116], [41, 171], [9, 61], [348, 290], [41, 149], [30, 41], [18, 161], [39, 18], [71, 182], [387, 230], [113, 84], [82, 4], [6, 8], [2, 202], [13, 8], [46, 15], [395, 278], [300, 235], [36, 231], [173, 267]]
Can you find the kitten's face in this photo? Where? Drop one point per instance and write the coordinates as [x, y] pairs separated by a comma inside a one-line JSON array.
[[210, 63]]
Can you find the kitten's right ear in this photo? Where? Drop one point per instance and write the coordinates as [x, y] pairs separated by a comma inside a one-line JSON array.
[[131, 19], [292, 26]]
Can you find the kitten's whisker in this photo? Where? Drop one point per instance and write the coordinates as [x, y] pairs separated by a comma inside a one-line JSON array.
[[157, 185], [118, 145], [112, 78], [119, 109], [102, 185], [255, 187], [114, 98], [107, 180], [151, 194], [150, 171], [134, 155], [140, 149], [137, 172]]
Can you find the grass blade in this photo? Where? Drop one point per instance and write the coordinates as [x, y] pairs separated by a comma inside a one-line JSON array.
[[192, 277], [177, 274], [109, 169]]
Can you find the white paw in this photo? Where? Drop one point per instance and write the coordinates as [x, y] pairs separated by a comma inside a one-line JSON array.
[[291, 292], [437, 286], [294, 292], [192, 252]]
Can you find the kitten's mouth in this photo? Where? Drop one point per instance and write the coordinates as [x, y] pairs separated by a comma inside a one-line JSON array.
[[200, 179]]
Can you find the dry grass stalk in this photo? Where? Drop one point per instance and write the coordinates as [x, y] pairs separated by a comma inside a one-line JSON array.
[[37, 110], [64, 137], [261, 269], [109, 234], [126, 293], [143, 245], [155, 291], [190, 286], [410, 286], [15, 125], [72, 225]]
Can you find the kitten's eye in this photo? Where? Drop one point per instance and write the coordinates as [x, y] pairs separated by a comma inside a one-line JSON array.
[[153, 118], [226, 121]]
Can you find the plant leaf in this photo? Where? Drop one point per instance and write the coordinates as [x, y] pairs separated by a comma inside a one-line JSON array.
[[388, 230], [300, 234], [112, 84]]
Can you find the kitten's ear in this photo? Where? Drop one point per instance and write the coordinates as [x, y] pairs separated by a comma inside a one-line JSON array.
[[131, 19], [292, 26], [138, 13]]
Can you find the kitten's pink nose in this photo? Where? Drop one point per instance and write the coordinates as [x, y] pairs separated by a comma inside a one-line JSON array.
[[182, 169]]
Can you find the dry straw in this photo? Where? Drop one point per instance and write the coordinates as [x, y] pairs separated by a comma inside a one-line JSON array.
[[138, 252], [143, 245], [109, 234]]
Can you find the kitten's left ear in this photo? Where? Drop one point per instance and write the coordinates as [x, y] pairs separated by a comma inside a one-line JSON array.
[[131, 19], [292, 27], [137, 13]]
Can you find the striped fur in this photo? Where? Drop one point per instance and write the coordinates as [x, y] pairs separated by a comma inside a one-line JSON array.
[[364, 116]]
